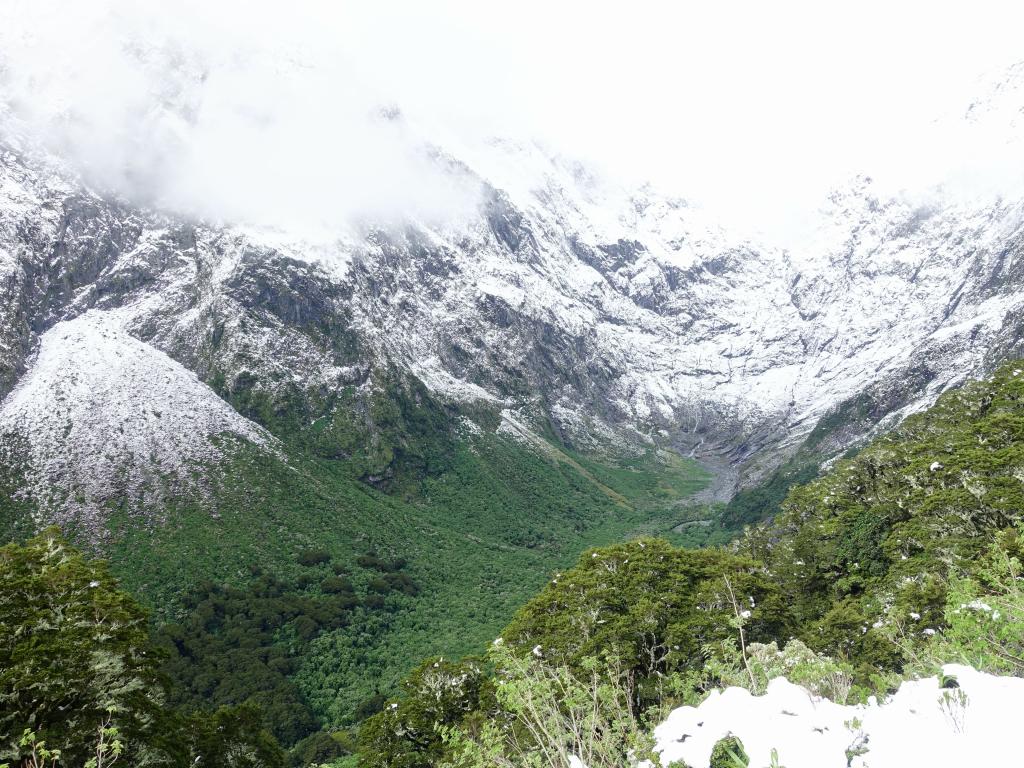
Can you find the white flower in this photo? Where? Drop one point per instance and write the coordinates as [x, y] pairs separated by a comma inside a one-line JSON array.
[[536, 651], [744, 614], [93, 584], [935, 466], [915, 616]]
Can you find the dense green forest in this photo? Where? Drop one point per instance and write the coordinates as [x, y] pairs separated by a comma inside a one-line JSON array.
[[477, 540], [286, 637], [82, 681], [476, 520]]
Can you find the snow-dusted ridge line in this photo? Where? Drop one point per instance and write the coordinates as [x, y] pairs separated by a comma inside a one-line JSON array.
[[922, 724], [619, 315], [103, 414]]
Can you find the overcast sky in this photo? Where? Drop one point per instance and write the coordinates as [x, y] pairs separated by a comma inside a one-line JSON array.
[[263, 110]]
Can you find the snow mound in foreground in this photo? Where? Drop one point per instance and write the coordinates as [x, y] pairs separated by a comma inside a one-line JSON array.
[[100, 414], [921, 725]]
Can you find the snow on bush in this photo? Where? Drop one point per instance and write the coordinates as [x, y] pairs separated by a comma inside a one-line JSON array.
[[971, 721]]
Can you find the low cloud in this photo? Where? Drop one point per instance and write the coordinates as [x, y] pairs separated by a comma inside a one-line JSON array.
[[285, 113], [243, 113]]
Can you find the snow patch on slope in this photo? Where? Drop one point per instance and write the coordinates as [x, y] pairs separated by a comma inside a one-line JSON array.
[[920, 725], [102, 414]]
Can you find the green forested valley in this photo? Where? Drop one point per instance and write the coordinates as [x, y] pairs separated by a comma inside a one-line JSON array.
[[310, 617], [309, 586]]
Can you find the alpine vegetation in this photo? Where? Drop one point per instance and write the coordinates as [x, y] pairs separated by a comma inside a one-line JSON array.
[[589, 386]]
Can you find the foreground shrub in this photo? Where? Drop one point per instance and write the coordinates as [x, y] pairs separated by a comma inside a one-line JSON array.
[[79, 676], [552, 716], [660, 609], [439, 694], [875, 542], [985, 614], [796, 662]]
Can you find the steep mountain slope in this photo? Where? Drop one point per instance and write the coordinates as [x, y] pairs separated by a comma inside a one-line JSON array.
[[563, 301], [106, 416]]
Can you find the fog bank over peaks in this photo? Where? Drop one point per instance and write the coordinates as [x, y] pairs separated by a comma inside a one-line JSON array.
[[310, 115]]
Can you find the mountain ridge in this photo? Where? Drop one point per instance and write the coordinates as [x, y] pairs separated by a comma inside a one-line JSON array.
[[620, 319]]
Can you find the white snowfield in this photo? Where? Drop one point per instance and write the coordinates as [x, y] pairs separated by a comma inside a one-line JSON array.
[[922, 724]]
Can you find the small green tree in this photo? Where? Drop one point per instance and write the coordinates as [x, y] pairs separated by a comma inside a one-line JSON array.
[[232, 737], [108, 746], [75, 658], [79, 681], [439, 694], [659, 608], [985, 613], [551, 716]]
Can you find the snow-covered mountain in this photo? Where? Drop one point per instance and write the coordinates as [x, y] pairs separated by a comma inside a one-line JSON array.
[[101, 414], [618, 316]]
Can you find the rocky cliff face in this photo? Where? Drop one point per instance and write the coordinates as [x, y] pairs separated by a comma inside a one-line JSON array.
[[616, 316]]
